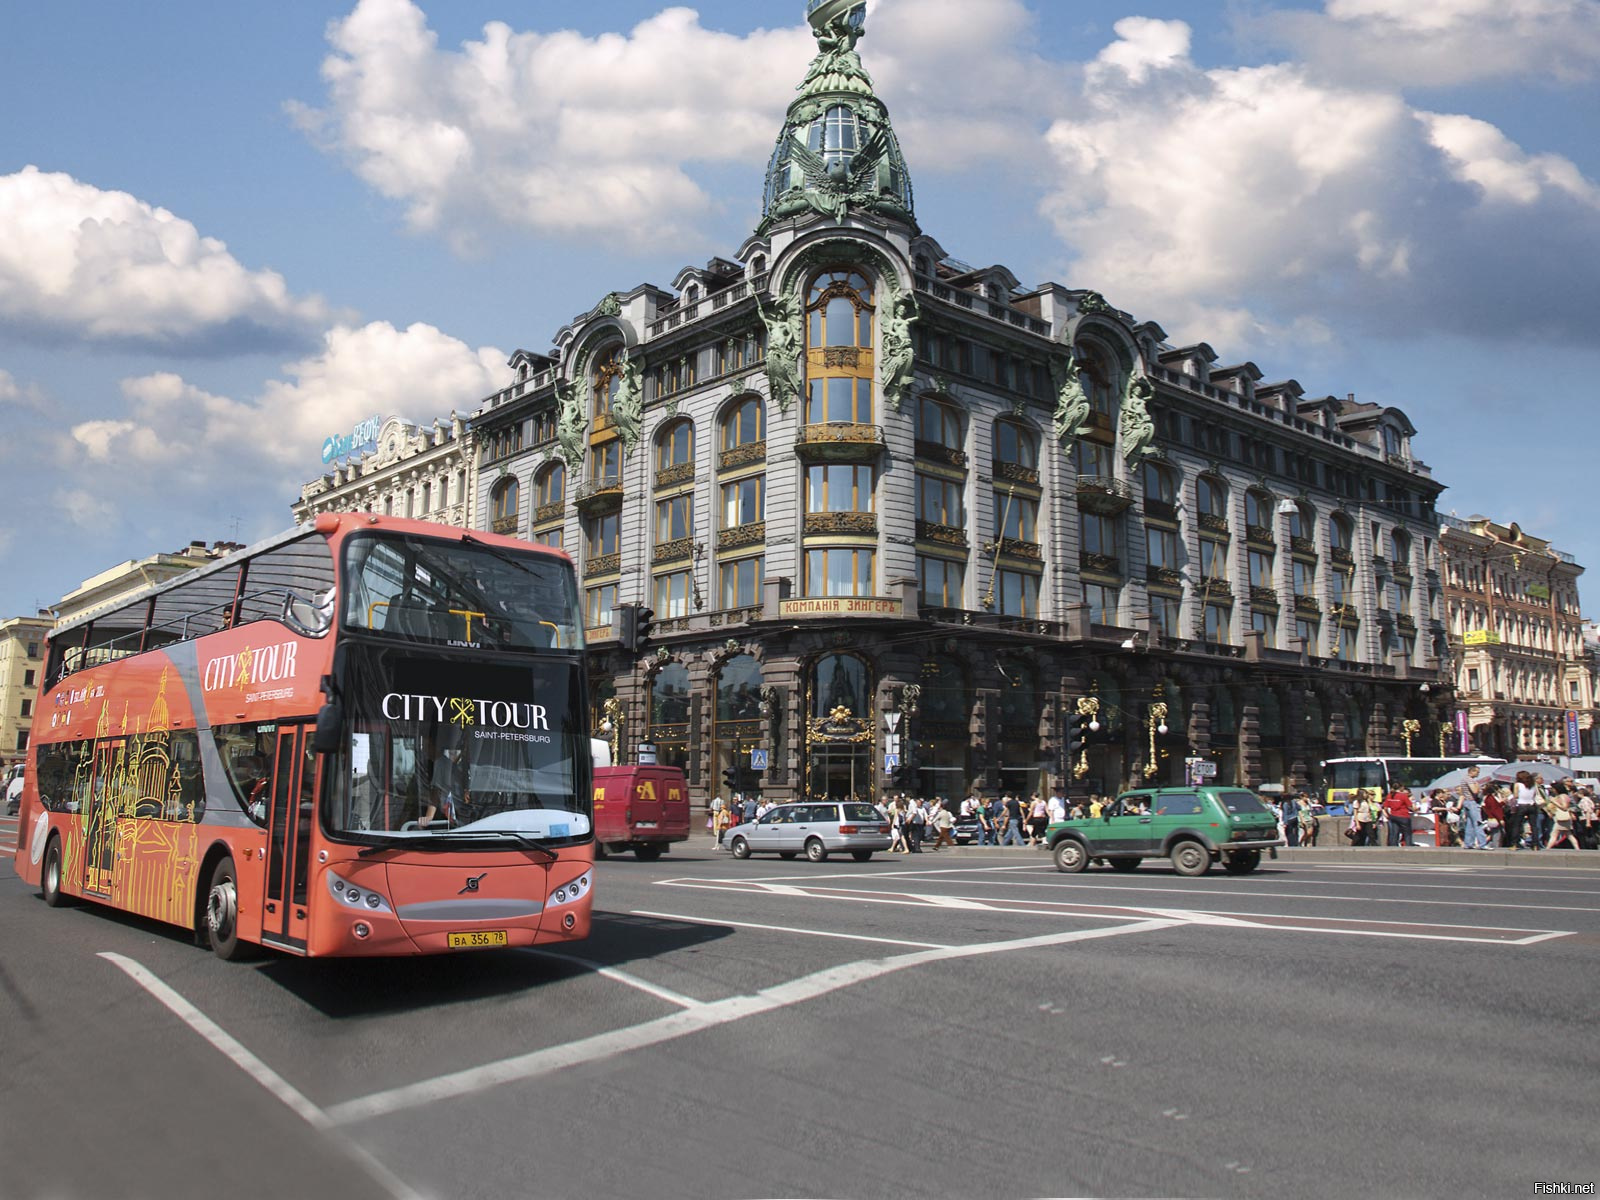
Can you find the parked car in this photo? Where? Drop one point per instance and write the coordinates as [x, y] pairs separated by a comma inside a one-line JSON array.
[[814, 829], [1192, 827], [12, 786]]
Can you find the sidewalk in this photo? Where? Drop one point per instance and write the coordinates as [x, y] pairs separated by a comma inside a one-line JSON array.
[[1434, 856]]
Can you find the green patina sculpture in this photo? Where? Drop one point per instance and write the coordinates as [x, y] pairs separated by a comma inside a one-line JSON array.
[[1135, 428], [785, 321], [1072, 402], [611, 306], [897, 353], [627, 410], [572, 423]]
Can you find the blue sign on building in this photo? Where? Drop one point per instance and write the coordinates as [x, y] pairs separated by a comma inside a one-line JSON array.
[[758, 760]]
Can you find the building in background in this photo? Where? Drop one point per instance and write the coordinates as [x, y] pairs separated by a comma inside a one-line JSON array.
[[116, 584], [404, 470], [856, 514], [1522, 659], [21, 664]]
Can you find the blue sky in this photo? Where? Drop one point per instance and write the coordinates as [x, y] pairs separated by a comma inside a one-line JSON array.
[[227, 231]]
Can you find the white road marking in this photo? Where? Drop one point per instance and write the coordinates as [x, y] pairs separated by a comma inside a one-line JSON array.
[[827, 933], [681, 1024], [620, 976], [1298, 922], [1110, 886], [230, 1047], [1277, 881]]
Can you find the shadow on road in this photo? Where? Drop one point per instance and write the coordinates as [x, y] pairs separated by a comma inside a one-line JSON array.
[[362, 987]]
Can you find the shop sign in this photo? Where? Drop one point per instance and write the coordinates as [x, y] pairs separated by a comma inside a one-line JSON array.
[[840, 606]]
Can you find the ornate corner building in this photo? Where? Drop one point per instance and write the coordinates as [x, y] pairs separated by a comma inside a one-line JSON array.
[[1517, 639], [895, 516]]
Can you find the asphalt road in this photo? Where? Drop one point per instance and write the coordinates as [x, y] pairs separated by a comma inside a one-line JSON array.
[[955, 1024]]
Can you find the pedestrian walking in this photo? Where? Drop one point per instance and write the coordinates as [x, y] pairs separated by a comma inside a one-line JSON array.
[[943, 822], [897, 828], [1038, 819], [1494, 816], [1588, 819], [1013, 819], [1525, 800], [1310, 823], [1561, 821], [916, 822], [1397, 807]]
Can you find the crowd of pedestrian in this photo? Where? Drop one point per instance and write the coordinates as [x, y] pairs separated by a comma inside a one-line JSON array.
[[1480, 814]]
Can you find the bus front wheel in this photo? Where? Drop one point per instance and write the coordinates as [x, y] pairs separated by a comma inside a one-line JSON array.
[[222, 913], [50, 876]]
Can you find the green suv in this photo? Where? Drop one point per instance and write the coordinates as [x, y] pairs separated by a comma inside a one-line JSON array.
[[1192, 827]]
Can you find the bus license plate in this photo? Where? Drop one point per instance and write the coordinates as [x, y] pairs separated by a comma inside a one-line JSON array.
[[480, 939]]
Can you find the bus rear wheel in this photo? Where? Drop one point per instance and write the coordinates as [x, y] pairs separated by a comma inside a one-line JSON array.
[[222, 913]]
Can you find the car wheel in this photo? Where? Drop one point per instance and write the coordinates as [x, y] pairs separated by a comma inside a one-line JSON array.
[[50, 876], [740, 848], [1190, 858], [1070, 856], [1241, 862], [815, 850], [861, 855], [1124, 864], [647, 852], [222, 914]]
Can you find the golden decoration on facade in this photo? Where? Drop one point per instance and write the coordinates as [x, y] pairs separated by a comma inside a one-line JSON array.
[[1088, 706], [1158, 724], [1409, 728]]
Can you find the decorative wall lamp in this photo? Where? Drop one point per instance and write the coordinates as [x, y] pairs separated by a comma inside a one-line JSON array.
[[1088, 706], [1157, 723], [1409, 728], [611, 724]]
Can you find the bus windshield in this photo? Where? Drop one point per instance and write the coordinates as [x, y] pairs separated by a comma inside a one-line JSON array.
[[467, 594], [450, 748]]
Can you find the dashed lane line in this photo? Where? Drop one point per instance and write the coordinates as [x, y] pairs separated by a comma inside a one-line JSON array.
[[689, 1021]]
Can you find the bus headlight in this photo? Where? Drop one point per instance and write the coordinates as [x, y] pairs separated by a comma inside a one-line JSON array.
[[567, 893], [348, 893]]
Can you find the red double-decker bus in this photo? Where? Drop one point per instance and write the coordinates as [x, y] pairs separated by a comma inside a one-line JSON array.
[[362, 737]]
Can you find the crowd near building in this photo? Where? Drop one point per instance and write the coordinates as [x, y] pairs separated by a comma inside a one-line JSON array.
[[848, 506]]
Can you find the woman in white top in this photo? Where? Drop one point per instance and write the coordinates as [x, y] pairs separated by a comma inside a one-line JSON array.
[[1525, 798]]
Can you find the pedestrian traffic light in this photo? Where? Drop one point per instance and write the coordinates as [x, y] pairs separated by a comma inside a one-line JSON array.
[[628, 626], [730, 780], [644, 620]]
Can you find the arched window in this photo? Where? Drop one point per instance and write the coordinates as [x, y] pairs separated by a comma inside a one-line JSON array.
[[504, 501], [739, 689], [839, 357], [552, 483], [1341, 534], [1259, 507], [841, 681], [1096, 376], [744, 423], [675, 445], [669, 697], [938, 424], [1211, 497], [1303, 521], [1016, 445], [835, 135], [607, 380], [1160, 485]]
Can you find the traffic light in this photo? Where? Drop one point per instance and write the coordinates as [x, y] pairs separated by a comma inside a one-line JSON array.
[[1077, 730], [628, 626], [644, 620], [730, 780]]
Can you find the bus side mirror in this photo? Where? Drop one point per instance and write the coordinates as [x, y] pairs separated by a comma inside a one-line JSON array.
[[329, 733]]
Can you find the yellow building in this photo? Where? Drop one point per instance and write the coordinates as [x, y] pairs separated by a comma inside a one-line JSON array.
[[114, 585], [21, 664]]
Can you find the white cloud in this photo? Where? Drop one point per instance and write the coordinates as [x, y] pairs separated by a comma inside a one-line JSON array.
[[1410, 43], [274, 440], [1251, 204], [77, 262], [20, 395], [84, 509], [552, 132]]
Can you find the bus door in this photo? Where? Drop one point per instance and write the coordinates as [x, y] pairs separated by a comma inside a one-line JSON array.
[[100, 820], [289, 820]]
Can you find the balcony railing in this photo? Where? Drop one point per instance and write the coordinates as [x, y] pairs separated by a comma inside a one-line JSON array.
[[839, 441], [505, 525], [602, 564], [742, 456], [1160, 510], [944, 535], [1303, 546], [599, 495], [674, 551], [1213, 523], [549, 512], [752, 534], [1259, 534], [1164, 576], [1103, 495], [1018, 548], [841, 522], [675, 475], [1108, 564], [939, 453], [1263, 597], [1015, 472]]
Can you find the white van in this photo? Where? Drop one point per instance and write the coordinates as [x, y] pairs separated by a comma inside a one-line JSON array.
[[13, 787]]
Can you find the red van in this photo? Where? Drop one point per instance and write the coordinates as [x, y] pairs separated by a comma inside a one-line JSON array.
[[643, 809]]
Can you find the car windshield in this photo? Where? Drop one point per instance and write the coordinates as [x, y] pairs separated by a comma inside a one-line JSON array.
[[438, 747], [1242, 804]]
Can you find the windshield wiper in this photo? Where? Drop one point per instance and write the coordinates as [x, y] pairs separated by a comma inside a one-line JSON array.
[[443, 841]]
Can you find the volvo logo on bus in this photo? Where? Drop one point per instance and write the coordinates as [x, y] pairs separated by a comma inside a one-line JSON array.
[[472, 884]]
